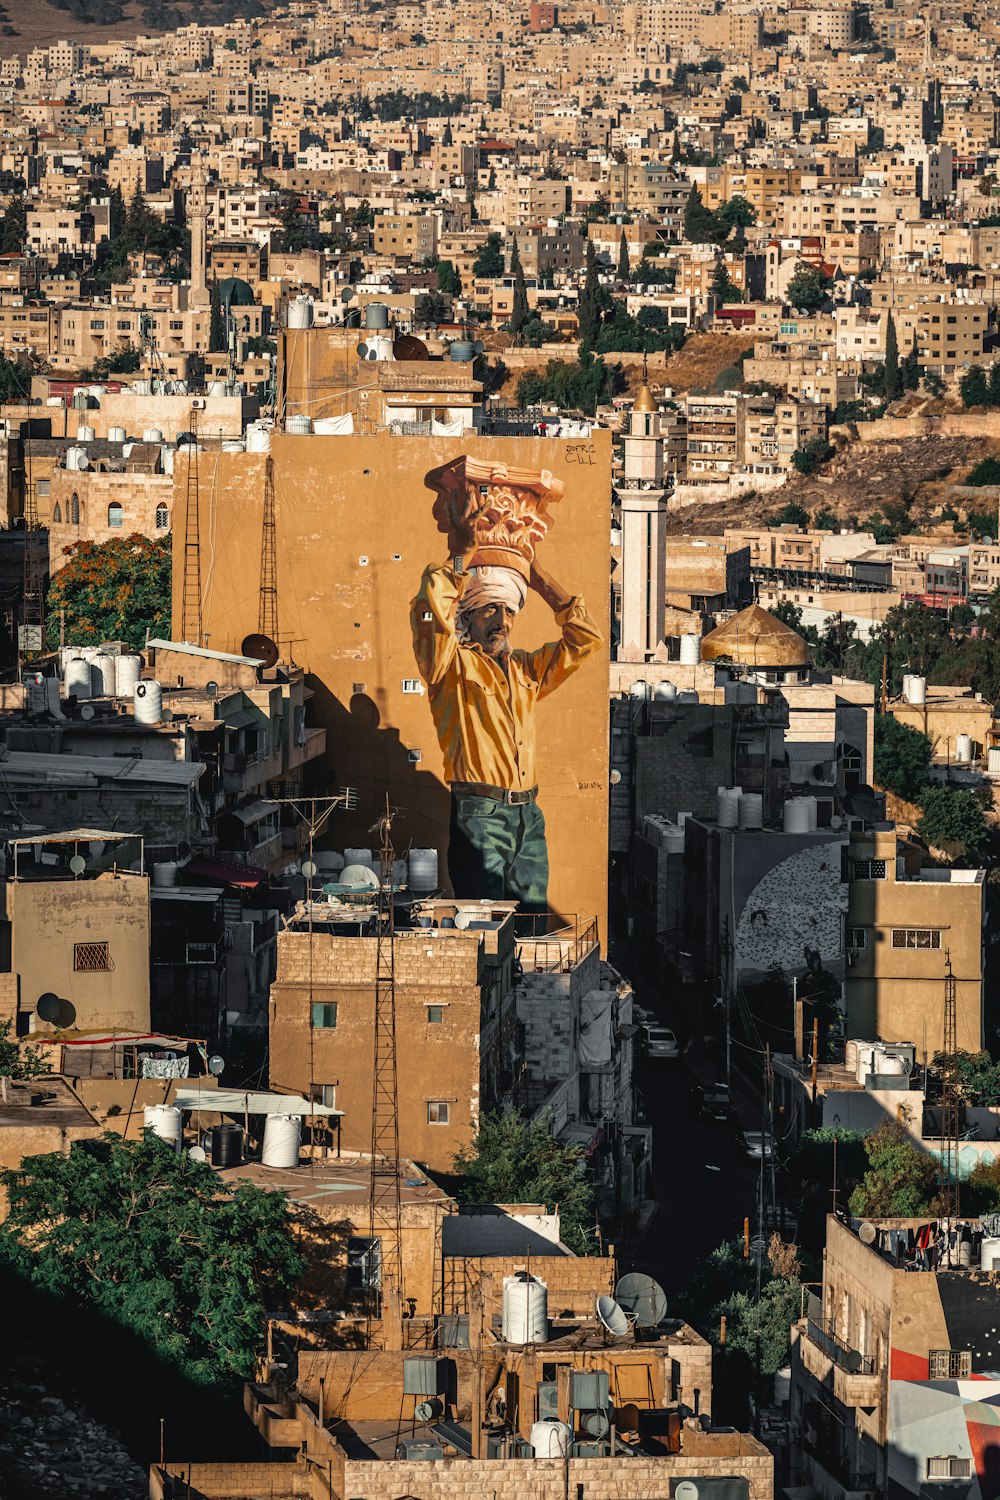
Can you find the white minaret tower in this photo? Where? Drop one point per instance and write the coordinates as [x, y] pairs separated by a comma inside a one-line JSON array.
[[642, 502], [197, 212]]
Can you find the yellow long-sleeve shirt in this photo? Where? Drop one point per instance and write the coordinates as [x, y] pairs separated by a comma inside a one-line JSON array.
[[484, 716]]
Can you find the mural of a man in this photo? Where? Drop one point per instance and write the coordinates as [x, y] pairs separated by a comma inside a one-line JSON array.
[[483, 691]]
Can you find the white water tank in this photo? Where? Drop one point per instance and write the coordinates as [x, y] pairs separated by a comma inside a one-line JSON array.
[[963, 748], [165, 873], [728, 811], [300, 312], [359, 857], [422, 868], [739, 692], [639, 689], [690, 650], [851, 1055], [811, 808], [887, 1062], [234, 445], [298, 424], [918, 690], [164, 1120], [148, 703], [117, 434], [993, 760], [85, 433], [128, 670], [551, 1438], [664, 691], [258, 439], [751, 811], [152, 435], [102, 668], [867, 1053], [216, 388], [688, 697], [142, 387], [795, 816], [782, 1385], [281, 1141], [79, 678], [989, 1256], [76, 458], [525, 1317]]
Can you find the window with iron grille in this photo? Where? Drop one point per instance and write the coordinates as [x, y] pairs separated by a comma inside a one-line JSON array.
[[91, 958], [915, 937], [950, 1364], [869, 869], [857, 937]]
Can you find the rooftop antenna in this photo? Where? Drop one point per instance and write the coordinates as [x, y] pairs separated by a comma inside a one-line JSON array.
[[191, 602], [267, 613], [384, 1193], [949, 1097]]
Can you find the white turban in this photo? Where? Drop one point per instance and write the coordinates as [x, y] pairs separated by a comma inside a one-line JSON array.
[[493, 586]]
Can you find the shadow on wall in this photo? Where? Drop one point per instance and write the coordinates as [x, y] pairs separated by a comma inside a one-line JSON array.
[[374, 761]]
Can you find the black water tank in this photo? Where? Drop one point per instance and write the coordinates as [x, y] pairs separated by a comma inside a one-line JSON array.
[[227, 1145]]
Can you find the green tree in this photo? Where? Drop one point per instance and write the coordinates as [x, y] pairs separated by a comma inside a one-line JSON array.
[[826, 520], [590, 305], [975, 1074], [890, 370], [973, 387], [112, 591], [701, 227], [514, 1160], [813, 456], [519, 313], [117, 212], [902, 757], [158, 1243], [985, 472], [737, 213], [725, 1285], [952, 820], [217, 321], [488, 264], [449, 280], [808, 289], [724, 288], [900, 1180], [14, 230], [20, 1059], [624, 267], [791, 514]]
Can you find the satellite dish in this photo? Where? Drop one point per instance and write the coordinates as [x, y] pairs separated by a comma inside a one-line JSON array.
[[479, 346], [183, 848], [347, 295], [853, 1361], [611, 1317], [195, 1153], [686, 1490], [212, 689], [87, 711], [167, 715], [362, 350], [309, 869], [866, 1234], [262, 648], [78, 864], [409, 347], [643, 1297], [462, 920], [48, 1007], [216, 1064]]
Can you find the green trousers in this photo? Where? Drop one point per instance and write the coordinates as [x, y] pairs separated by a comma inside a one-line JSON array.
[[497, 852]]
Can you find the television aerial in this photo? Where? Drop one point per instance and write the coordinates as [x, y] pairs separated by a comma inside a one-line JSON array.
[[612, 1317], [261, 648], [643, 1297]]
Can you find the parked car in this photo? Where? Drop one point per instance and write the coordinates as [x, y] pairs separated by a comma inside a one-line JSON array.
[[755, 1144], [660, 1043], [711, 1101]]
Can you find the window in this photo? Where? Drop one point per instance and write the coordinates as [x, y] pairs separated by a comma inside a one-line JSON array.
[[92, 958], [115, 515], [857, 937], [364, 1263], [435, 1015], [44, 487], [868, 869], [162, 518], [57, 512], [916, 937], [325, 1094], [438, 1112], [411, 685], [948, 1468], [324, 1014], [74, 509], [950, 1364]]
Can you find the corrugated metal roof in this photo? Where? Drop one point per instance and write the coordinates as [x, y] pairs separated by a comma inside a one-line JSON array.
[[73, 836], [72, 770], [203, 651]]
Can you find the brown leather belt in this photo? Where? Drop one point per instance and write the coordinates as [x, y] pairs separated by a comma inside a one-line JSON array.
[[496, 793]]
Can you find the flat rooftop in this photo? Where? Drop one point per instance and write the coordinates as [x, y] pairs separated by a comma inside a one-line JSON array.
[[333, 1180], [46, 1102]]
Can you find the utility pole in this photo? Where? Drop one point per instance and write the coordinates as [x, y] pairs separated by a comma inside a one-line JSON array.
[[191, 600], [267, 614], [950, 1097], [384, 1192]]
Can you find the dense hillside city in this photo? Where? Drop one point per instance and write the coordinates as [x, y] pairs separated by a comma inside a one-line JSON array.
[[413, 1088]]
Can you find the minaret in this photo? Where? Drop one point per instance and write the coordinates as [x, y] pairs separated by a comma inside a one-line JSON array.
[[197, 212], [642, 502]]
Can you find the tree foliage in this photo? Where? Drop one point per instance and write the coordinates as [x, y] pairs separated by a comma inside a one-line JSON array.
[[514, 1160], [217, 321], [520, 311], [902, 757], [20, 1059], [488, 264], [952, 820], [975, 1074], [901, 1179], [808, 289], [572, 387], [112, 591], [701, 225], [725, 1286], [891, 374], [158, 1243]]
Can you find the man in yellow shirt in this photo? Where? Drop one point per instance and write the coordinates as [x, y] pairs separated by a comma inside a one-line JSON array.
[[482, 696]]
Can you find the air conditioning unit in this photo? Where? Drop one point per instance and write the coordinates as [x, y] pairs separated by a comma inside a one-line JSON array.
[[198, 404]]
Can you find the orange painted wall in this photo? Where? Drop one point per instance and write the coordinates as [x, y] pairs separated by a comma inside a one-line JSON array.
[[339, 500]]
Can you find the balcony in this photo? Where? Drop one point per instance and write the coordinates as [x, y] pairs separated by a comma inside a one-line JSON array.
[[853, 1377]]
